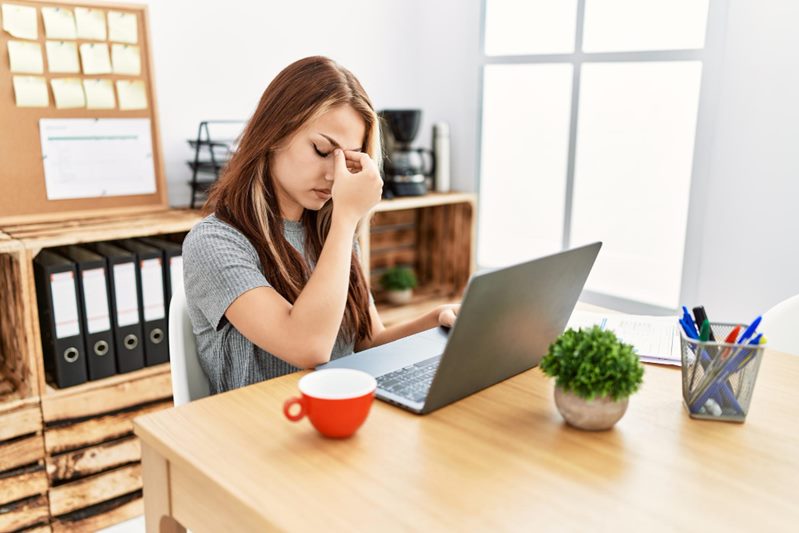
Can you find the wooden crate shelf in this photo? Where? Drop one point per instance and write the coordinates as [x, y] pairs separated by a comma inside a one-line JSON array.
[[433, 234], [115, 393], [68, 457], [24, 514], [35, 236]]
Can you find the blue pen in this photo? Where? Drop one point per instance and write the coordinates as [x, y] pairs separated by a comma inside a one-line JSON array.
[[750, 330], [689, 321], [733, 364]]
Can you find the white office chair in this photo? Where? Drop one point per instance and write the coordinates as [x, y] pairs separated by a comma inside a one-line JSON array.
[[188, 379], [780, 326]]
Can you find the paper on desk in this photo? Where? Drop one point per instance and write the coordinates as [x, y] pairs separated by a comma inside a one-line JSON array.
[[122, 27], [68, 93], [59, 23], [90, 23], [25, 57], [95, 58], [62, 56], [126, 59], [20, 21], [31, 91], [131, 94], [99, 94], [656, 339]]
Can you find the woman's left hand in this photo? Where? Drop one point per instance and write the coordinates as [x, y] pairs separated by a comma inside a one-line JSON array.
[[447, 314]]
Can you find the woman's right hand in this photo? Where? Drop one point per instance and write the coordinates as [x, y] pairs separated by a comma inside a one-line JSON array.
[[354, 193]]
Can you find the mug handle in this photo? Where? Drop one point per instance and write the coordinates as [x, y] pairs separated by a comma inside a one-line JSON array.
[[288, 405]]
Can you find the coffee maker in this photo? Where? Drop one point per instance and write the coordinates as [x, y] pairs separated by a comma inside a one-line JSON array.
[[406, 169]]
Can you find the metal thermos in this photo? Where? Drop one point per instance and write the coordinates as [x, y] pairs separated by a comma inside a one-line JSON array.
[[441, 178]]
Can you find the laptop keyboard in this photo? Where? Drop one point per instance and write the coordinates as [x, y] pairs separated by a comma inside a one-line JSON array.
[[411, 382]]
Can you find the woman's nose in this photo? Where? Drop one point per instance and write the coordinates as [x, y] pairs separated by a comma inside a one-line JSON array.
[[329, 169]]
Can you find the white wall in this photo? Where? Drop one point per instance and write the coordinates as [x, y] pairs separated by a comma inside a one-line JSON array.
[[212, 59], [449, 60], [214, 63], [750, 251]]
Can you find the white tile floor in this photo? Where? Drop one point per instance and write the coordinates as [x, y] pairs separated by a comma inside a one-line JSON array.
[[134, 525]]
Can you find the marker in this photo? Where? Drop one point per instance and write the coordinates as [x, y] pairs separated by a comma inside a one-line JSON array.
[[700, 315]]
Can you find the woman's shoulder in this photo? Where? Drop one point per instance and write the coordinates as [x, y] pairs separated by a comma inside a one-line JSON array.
[[213, 235]]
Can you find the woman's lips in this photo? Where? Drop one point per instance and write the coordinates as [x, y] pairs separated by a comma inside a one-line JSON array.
[[322, 194]]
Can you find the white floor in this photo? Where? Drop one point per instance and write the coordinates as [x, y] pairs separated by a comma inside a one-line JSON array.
[[134, 525]]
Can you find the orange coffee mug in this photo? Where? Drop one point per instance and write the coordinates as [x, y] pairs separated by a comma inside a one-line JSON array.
[[335, 400]]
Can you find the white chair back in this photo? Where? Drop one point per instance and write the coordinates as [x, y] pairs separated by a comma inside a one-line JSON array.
[[780, 326], [188, 379]]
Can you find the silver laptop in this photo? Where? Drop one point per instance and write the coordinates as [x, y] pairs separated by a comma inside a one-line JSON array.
[[508, 319]]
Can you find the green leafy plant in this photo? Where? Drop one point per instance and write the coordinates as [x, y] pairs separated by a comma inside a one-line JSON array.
[[593, 363], [398, 279]]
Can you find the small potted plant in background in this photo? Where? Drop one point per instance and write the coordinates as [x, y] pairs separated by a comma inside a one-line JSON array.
[[595, 375], [398, 282]]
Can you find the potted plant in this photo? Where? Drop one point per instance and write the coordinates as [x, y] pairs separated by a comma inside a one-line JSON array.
[[398, 282], [595, 375]]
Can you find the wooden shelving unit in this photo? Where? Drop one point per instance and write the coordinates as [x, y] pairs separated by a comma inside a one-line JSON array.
[[68, 457]]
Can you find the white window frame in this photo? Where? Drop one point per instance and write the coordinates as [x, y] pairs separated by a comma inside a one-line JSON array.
[[711, 57]]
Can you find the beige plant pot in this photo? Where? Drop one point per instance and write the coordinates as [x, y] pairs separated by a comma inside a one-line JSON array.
[[400, 297], [595, 415]]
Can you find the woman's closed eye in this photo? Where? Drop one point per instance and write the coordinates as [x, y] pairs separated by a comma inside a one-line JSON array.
[[321, 153]]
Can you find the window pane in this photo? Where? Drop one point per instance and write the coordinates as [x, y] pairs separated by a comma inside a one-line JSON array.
[[634, 25], [514, 27], [635, 141], [525, 141]]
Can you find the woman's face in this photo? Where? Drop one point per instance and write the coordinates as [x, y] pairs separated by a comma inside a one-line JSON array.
[[302, 169]]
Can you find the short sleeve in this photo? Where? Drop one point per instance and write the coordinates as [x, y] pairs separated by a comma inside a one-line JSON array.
[[219, 265]]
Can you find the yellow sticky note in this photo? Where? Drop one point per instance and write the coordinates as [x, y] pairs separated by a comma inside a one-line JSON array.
[[90, 23], [25, 57], [99, 94], [62, 56], [131, 94], [20, 21], [95, 58], [126, 59], [68, 93], [59, 23], [122, 27], [31, 91]]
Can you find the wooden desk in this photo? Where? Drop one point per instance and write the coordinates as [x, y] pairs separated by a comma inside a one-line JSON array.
[[500, 459]]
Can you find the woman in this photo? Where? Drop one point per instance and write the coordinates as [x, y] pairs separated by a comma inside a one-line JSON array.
[[272, 278]]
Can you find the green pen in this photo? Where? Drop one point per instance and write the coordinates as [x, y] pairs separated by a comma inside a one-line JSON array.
[[704, 331]]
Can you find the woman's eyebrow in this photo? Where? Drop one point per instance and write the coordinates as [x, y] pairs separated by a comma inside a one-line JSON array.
[[336, 144]]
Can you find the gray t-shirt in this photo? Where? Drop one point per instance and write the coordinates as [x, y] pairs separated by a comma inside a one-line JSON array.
[[219, 265]]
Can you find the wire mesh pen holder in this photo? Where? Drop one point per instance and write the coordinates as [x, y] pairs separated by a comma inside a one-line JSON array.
[[718, 378]]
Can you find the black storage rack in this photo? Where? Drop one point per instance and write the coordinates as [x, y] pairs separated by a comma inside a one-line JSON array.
[[210, 157]]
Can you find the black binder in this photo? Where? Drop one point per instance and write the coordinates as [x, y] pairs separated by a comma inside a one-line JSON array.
[[123, 293], [59, 319], [95, 310], [173, 265], [150, 273]]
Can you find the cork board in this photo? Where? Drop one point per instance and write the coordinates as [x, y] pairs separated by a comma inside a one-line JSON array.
[[23, 194]]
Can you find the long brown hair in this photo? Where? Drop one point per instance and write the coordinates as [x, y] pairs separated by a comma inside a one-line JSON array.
[[245, 197]]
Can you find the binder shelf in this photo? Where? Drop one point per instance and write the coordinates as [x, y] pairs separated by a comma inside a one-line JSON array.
[[68, 457]]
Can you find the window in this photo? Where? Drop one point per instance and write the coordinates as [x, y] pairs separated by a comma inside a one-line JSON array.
[[588, 126]]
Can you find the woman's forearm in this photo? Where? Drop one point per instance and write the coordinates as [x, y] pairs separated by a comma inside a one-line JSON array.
[[427, 321], [319, 308]]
